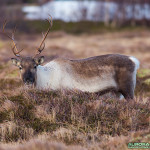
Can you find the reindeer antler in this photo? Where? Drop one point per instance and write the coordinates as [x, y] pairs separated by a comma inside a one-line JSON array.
[[14, 47], [42, 45]]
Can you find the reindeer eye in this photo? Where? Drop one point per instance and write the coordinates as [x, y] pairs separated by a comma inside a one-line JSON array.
[[20, 68], [34, 67]]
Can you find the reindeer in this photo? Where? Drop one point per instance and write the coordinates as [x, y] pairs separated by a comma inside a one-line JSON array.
[[95, 74]]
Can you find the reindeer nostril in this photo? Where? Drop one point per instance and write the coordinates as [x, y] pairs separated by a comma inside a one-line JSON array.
[[29, 80]]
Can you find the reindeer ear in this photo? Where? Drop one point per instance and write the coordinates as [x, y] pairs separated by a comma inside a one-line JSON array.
[[15, 61], [39, 60]]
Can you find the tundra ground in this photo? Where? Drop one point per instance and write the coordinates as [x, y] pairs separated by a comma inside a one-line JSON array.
[[31, 119]]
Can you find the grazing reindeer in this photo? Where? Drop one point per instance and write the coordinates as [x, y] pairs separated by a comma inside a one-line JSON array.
[[94, 74]]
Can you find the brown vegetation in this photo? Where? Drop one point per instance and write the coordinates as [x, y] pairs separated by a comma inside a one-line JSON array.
[[32, 119]]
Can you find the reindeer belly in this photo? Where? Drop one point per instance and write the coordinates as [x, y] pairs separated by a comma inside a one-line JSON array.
[[95, 84]]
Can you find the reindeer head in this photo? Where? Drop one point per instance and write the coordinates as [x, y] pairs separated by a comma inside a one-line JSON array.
[[28, 65]]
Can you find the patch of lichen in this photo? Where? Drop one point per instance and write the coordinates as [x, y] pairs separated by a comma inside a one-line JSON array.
[[13, 74], [143, 73], [143, 82]]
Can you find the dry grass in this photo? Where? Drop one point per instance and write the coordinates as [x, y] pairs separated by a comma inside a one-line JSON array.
[[62, 120]]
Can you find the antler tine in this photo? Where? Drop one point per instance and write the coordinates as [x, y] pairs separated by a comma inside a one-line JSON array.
[[14, 48], [16, 53], [40, 49]]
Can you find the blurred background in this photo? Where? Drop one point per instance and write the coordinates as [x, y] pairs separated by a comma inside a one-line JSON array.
[[112, 13]]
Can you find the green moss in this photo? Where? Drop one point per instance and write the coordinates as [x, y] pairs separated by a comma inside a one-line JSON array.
[[143, 72], [147, 81], [13, 74], [143, 82]]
